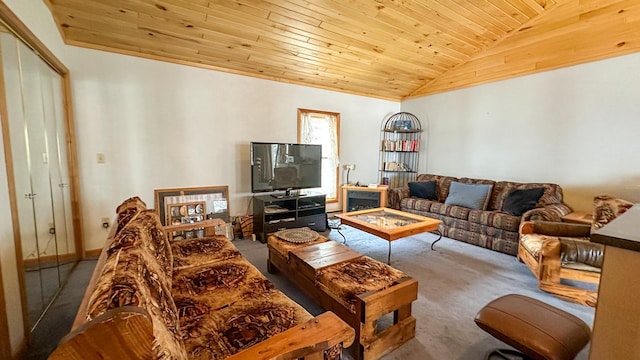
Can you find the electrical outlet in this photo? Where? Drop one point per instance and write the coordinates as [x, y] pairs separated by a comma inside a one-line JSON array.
[[350, 167], [105, 222]]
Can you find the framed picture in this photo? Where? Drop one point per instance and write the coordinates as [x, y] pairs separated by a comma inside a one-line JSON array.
[[402, 125], [185, 213], [213, 199]]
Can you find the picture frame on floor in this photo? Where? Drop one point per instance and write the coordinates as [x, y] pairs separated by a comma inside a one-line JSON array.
[[214, 201]]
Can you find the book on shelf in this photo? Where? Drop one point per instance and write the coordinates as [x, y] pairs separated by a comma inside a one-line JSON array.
[[400, 145], [396, 166]]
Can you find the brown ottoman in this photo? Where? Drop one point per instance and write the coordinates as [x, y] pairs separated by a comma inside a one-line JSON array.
[[538, 330]]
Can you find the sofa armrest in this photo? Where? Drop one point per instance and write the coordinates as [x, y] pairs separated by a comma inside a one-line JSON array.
[[552, 228], [549, 262], [129, 327], [305, 340], [552, 212], [396, 195]]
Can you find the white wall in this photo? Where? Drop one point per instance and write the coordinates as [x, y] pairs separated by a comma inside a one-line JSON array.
[[162, 125], [576, 126]]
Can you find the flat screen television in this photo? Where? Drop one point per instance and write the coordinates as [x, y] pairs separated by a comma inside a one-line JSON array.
[[285, 166]]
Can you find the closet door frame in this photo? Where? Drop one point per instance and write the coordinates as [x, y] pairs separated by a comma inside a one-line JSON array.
[[21, 31]]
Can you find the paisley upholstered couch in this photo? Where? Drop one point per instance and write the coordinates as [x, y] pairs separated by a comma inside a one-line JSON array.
[[490, 226], [151, 298]]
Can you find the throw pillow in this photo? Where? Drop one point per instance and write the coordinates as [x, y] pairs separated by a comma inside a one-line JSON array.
[[519, 201], [423, 189], [473, 196]]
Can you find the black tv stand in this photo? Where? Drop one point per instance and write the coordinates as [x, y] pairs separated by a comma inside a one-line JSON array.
[[276, 212], [287, 194]]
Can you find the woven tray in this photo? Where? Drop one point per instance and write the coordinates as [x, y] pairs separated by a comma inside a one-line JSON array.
[[297, 236]]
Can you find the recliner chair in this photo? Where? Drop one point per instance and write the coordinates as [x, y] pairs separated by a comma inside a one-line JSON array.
[[556, 251]]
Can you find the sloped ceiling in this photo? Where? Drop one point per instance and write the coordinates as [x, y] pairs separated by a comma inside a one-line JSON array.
[[390, 49]]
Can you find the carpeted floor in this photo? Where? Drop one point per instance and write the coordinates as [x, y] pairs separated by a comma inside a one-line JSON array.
[[456, 280], [57, 321]]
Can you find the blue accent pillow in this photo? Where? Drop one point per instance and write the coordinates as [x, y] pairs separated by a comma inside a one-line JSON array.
[[423, 189], [473, 196], [519, 202]]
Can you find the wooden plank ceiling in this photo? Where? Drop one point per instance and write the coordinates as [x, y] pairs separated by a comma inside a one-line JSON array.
[[390, 49]]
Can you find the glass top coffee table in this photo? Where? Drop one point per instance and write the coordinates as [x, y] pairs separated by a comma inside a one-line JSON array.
[[389, 224]]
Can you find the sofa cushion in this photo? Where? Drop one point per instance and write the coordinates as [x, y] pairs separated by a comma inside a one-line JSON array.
[[576, 253], [417, 204], [607, 208], [474, 196], [458, 212], [201, 251], [423, 189], [452, 211], [222, 333], [439, 208], [495, 219], [519, 201], [581, 251], [219, 284]]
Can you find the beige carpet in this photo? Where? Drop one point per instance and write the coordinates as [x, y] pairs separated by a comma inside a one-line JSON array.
[[456, 280]]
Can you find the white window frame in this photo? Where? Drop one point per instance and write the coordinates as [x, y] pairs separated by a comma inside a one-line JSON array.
[[330, 155]]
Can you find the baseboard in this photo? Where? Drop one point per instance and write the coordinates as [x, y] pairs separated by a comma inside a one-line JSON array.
[[48, 260], [92, 254]]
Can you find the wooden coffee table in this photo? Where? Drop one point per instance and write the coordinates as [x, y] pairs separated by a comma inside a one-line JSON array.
[[389, 224], [301, 264]]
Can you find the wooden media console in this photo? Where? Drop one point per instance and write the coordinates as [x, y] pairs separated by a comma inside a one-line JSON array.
[[328, 272]]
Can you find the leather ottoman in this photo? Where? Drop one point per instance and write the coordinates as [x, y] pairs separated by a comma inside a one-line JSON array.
[[538, 330]]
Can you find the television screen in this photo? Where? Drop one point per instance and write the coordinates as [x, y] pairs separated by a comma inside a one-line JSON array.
[[280, 166]]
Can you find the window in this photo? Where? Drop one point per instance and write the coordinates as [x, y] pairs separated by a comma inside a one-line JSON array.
[[321, 127]]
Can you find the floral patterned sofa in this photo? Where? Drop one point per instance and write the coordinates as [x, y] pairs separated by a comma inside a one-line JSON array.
[[490, 226], [189, 299]]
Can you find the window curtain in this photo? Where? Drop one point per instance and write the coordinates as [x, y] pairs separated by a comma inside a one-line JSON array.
[[322, 128], [327, 124]]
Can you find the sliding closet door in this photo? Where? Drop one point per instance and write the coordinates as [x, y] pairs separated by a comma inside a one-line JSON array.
[[37, 135], [41, 179], [51, 89], [39, 199], [22, 179]]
